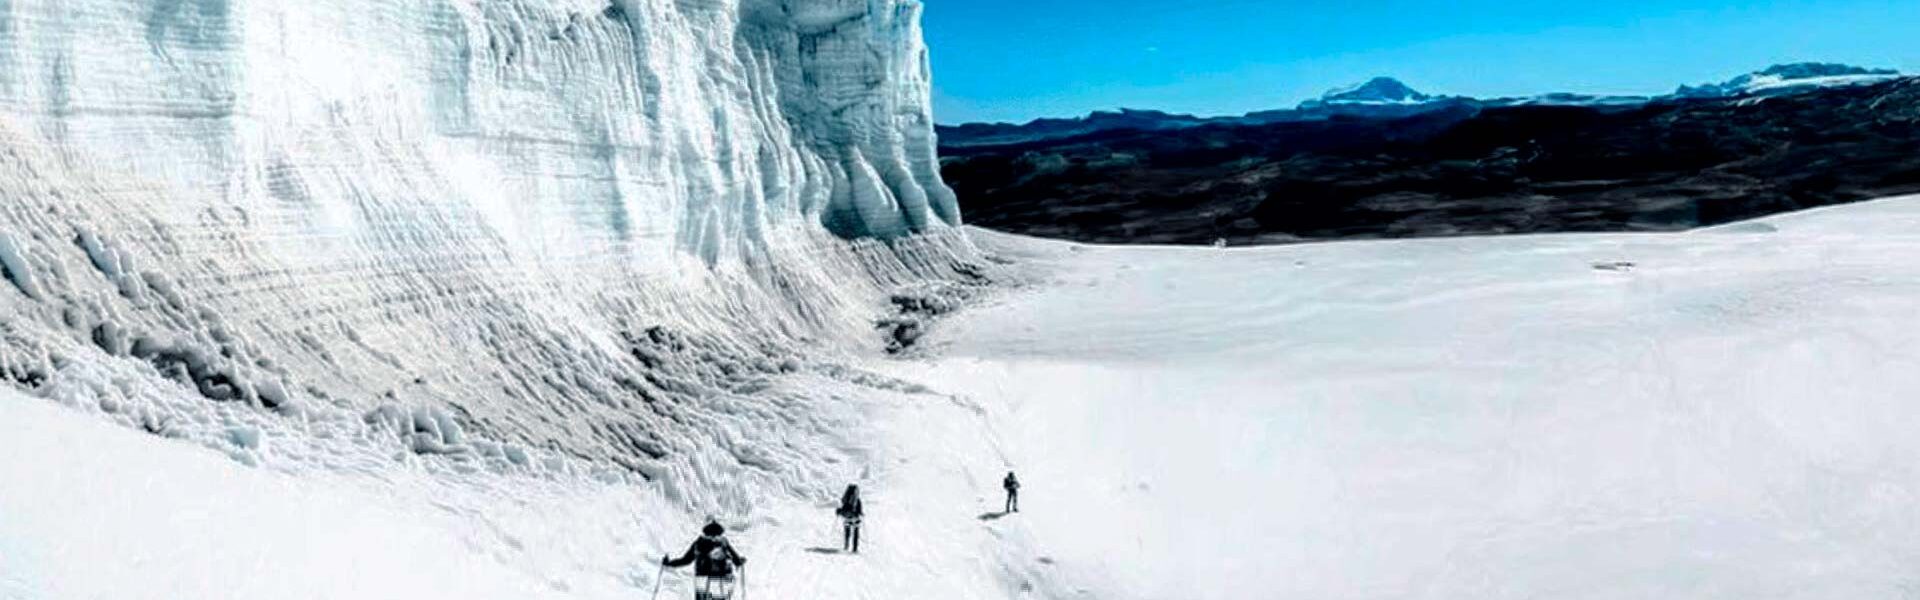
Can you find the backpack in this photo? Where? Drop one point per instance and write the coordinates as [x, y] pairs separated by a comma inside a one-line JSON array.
[[717, 560]]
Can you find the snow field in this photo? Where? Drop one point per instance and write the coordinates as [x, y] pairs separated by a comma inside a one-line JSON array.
[[1718, 414]]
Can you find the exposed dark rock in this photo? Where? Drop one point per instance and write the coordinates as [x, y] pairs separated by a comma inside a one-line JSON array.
[[1666, 165]]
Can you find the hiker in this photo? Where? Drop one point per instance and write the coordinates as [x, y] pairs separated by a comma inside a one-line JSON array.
[[850, 512], [1013, 492], [713, 561]]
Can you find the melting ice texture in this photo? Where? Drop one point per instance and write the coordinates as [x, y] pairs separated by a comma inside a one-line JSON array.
[[582, 227]]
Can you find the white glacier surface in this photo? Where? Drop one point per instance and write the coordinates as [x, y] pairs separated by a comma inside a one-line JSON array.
[[1725, 413], [501, 298]]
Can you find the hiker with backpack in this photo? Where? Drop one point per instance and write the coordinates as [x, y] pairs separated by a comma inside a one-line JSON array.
[[713, 559], [1013, 492], [850, 512]]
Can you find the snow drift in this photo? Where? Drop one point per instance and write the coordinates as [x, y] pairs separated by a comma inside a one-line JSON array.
[[468, 228]]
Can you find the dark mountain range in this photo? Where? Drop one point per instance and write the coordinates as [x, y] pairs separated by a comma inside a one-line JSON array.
[[1459, 168], [1388, 98], [977, 134]]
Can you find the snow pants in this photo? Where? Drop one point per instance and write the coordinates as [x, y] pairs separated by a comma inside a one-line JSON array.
[[850, 540], [712, 588]]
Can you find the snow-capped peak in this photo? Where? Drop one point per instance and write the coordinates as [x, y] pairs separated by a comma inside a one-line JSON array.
[[1379, 90], [1788, 78]]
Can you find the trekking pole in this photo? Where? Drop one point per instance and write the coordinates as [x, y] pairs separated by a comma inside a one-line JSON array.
[[743, 582], [657, 577]]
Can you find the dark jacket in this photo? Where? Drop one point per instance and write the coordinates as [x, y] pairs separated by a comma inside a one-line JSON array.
[[1012, 485], [850, 508], [711, 556]]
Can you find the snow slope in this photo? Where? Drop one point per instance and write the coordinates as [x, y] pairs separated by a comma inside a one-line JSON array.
[[1727, 416], [92, 510], [112, 514]]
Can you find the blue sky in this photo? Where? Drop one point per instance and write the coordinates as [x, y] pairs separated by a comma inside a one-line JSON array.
[[1014, 60]]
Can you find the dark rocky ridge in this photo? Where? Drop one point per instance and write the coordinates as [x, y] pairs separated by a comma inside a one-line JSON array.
[[1666, 165]]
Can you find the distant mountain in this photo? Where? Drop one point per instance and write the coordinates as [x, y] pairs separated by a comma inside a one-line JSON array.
[[1389, 98], [1375, 92], [1377, 98], [1786, 79]]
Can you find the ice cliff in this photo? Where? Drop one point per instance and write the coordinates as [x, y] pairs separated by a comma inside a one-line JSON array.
[[601, 230]]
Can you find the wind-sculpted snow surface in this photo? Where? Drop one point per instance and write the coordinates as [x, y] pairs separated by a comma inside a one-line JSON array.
[[495, 230]]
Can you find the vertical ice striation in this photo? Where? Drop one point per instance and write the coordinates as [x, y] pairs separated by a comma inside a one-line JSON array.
[[861, 85], [741, 117], [589, 225]]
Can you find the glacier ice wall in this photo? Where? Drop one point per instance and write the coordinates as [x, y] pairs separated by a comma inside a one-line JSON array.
[[712, 121], [596, 227]]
